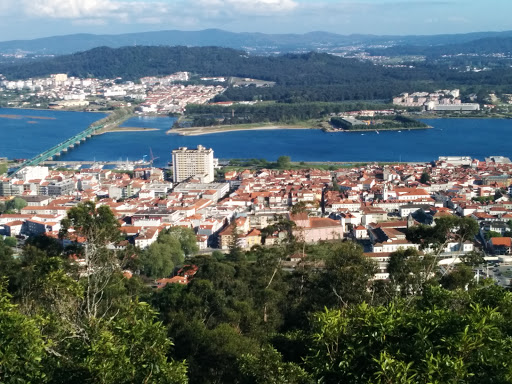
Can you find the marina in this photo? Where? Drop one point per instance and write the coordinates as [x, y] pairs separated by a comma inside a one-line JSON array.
[[120, 164]]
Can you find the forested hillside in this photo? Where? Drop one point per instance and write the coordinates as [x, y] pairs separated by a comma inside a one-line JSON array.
[[243, 318], [298, 77], [483, 46], [131, 63]]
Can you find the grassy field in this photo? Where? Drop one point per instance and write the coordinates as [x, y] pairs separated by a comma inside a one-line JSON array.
[[328, 166]]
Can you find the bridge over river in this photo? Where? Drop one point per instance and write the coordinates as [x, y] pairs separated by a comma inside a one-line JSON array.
[[59, 148]]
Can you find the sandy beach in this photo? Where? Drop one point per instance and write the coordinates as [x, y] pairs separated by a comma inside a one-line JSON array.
[[26, 117], [198, 131], [128, 129]]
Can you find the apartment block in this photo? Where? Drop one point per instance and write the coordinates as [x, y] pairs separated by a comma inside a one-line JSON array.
[[193, 163]]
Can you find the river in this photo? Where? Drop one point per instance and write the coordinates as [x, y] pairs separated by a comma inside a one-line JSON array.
[[25, 137]]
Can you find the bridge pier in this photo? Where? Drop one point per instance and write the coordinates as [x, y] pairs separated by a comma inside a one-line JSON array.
[[63, 147]]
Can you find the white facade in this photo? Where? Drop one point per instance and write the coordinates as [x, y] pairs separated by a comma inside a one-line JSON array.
[[33, 173], [193, 162]]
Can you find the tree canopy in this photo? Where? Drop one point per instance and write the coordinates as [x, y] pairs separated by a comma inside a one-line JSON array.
[[247, 318]]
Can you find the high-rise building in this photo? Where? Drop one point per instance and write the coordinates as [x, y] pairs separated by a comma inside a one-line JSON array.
[[188, 163]]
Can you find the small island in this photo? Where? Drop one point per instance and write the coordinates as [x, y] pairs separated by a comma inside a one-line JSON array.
[[380, 123], [197, 131], [353, 123]]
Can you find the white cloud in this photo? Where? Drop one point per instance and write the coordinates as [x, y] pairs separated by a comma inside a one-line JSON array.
[[249, 6], [152, 11], [458, 19], [72, 9], [90, 22]]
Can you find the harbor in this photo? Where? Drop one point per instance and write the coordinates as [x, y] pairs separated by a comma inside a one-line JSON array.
[[125, 165]]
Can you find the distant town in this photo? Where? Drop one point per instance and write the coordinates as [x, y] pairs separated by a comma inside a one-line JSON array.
[[171, 95], [156, 95]]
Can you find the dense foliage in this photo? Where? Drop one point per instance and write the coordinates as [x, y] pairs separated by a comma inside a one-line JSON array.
[[483, 46], [13, 205], [381, 122], [207, 115], [243, 318], [298, 77]]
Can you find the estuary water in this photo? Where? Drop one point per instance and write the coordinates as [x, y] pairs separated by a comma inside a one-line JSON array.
[[477, 138], [24, 133]]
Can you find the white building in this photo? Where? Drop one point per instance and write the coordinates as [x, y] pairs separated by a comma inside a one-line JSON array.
[[188, 163], [33, 172]]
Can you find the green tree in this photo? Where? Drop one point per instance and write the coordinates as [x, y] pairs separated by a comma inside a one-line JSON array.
[[133, 349], [409, 271], [13, 205], [283, 162], [218, 255], [458, 278], [157, 259], [336, 186], [186, 237], [10, 242], [235, 250], [3, 168], [473, 258], [346, 277], [47, 244], [444, 230], [299, 207], [267, 367], [490, 234], [95, 331], [445, 337], [99, 227], [9, 266], [22, 346], [170, 249], [212, 353], [425, 177], [18, 204]]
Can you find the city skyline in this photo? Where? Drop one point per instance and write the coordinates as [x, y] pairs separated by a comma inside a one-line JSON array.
[[40, 18]]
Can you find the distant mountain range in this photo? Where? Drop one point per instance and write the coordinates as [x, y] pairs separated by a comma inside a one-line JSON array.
[[251, 42], [483, 46]]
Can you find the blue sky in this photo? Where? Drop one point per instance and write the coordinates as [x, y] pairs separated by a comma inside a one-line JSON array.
[[25, 19]]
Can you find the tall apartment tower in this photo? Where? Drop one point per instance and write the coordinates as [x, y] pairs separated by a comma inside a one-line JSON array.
[[193, 162]]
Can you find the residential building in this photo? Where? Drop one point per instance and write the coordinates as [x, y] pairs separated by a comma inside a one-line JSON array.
[[189, 163]]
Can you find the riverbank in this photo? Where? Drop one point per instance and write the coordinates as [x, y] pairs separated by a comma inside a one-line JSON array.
[[129, 129], [112, 122], [378, 129], [240, 165], [198, 131]]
